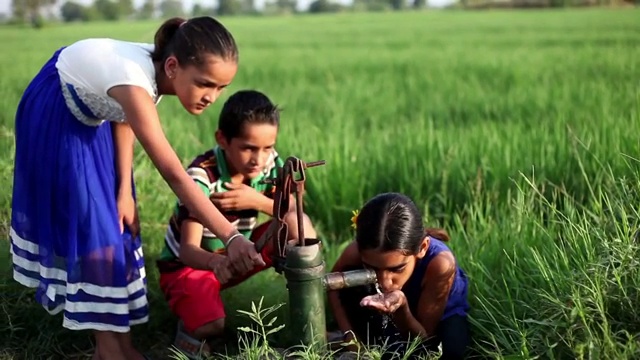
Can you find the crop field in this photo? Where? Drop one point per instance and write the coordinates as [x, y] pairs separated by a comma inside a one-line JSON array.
[[516, 131]]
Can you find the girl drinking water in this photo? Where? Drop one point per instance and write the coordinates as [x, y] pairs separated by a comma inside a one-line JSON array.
[[422, 290], [74, 225]]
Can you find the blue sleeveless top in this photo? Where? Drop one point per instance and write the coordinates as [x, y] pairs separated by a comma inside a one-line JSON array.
[[457, 302]]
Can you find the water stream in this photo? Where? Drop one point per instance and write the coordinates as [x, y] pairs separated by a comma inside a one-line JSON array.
[[385, 317]]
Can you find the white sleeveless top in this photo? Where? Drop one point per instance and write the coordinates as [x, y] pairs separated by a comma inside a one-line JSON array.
[[93, 66]]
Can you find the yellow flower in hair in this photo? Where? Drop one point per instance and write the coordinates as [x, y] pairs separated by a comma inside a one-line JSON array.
[[354, 218]]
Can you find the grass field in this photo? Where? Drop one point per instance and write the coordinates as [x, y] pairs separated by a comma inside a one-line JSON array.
[[517, 131]]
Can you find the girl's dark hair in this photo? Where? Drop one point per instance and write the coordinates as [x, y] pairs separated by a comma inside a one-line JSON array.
[[246, 107], [189, 40], [391, 221]]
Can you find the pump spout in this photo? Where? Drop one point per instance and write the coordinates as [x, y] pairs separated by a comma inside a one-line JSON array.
[[348, 279]]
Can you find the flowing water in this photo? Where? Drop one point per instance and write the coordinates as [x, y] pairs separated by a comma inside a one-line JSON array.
[[385, 317]]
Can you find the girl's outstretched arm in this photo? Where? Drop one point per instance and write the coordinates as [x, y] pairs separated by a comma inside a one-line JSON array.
[[142, 116]]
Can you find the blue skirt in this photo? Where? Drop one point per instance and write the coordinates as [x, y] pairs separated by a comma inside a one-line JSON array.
[[65, 236]]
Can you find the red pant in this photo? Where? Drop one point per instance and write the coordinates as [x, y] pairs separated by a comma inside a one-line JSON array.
[[194, 295]]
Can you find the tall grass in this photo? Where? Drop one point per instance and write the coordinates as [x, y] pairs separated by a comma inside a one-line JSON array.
[[514, 130]]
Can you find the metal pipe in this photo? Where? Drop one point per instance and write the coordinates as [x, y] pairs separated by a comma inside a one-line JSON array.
[[304, 271], [348, 279]]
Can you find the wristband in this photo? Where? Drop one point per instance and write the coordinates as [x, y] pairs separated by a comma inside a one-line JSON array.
[[226, 246]]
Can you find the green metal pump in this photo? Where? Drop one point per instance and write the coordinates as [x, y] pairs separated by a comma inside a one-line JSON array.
[[303, 263]]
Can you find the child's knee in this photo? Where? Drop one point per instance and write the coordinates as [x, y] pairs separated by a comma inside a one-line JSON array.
[[291, 219], [202, 322], [211, 329], [197, 301], [456, 337]]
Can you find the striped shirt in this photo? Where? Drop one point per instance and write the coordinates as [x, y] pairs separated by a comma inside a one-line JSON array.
[[209, 170]]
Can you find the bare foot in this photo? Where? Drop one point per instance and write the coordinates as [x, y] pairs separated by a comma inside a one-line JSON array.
[[134, 354], [126, 344], [191, 348]]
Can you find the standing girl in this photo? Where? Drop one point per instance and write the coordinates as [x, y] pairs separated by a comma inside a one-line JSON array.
[[423, 291], [74, 225]]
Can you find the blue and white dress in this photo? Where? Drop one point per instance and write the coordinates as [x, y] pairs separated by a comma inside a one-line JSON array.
[[65, 236]]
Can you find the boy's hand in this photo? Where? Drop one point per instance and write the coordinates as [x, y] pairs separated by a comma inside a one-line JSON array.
[[221, 267], [239, 197]]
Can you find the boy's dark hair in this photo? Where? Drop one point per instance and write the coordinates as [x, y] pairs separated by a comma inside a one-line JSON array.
[[391, 221], [246, 107], [189, 40]]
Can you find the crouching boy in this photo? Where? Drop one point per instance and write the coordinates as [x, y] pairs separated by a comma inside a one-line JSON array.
[[193, 267]]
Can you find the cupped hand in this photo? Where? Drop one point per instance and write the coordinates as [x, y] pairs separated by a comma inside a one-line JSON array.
[[387, 303]]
